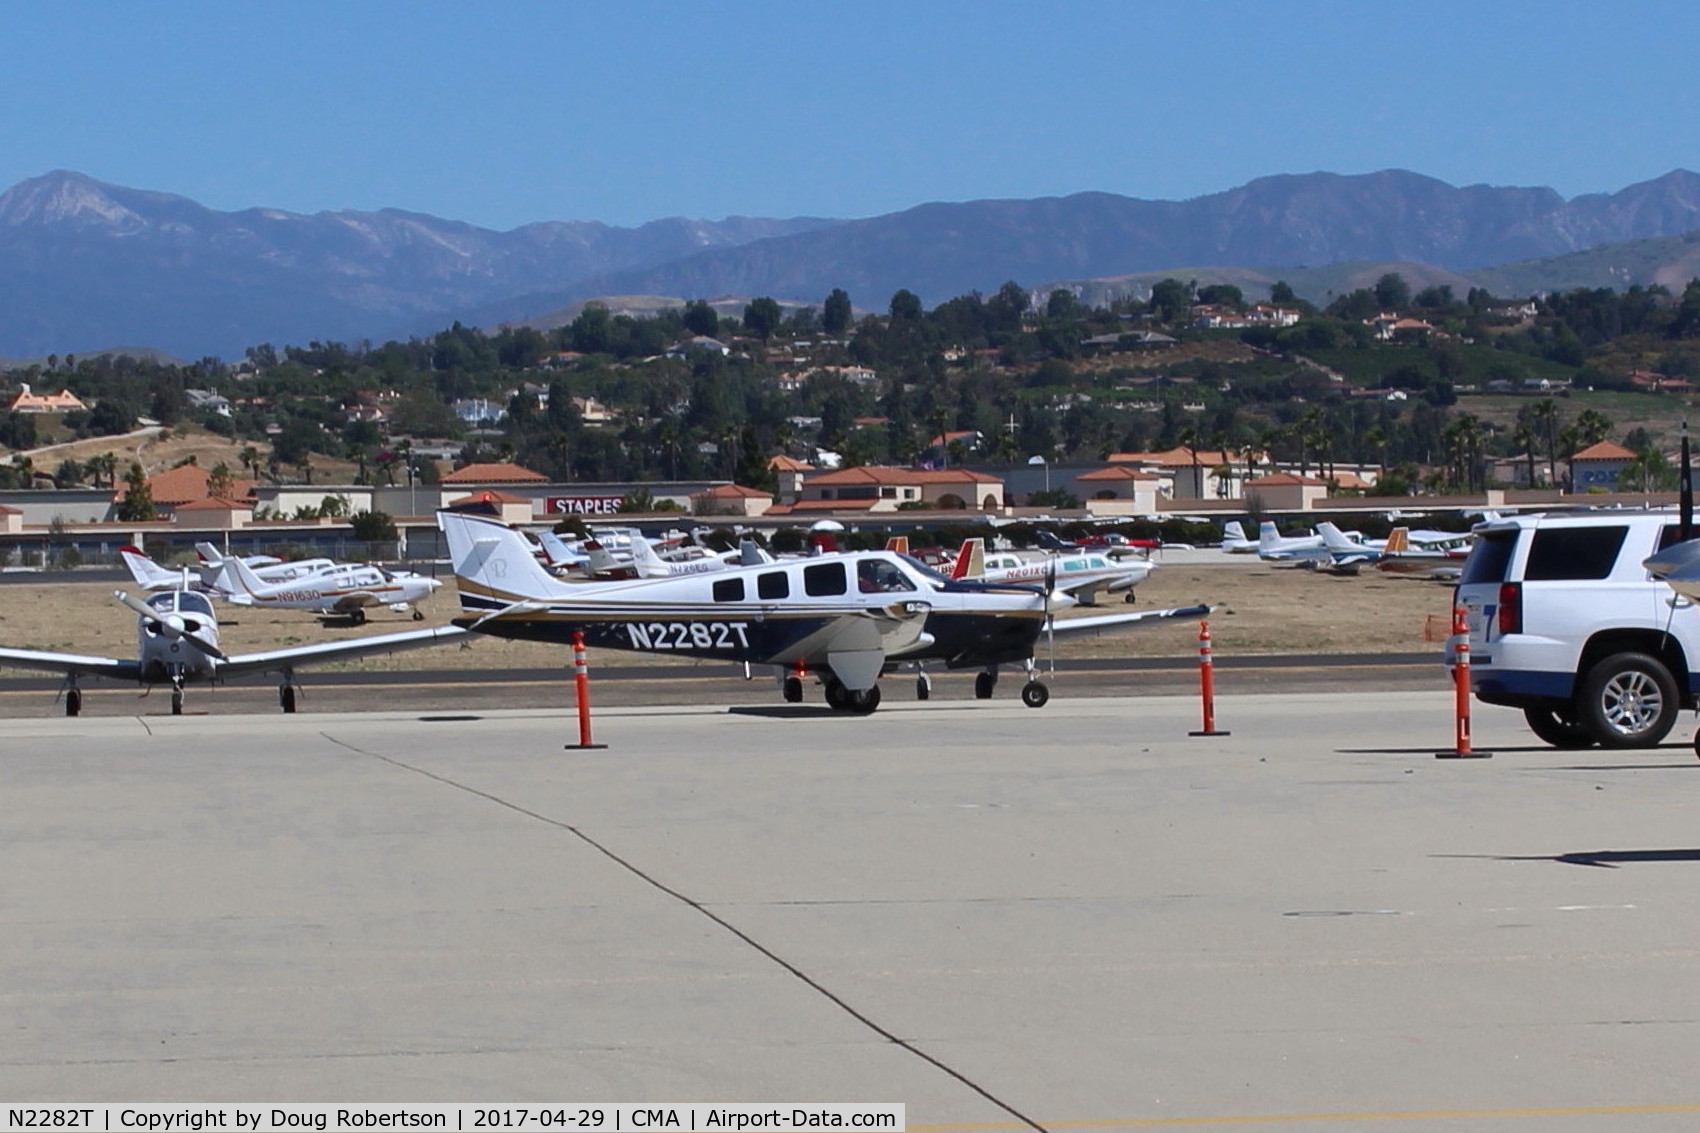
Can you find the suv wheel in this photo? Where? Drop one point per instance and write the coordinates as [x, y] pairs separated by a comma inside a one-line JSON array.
[[1558, 728], [1628, 700]]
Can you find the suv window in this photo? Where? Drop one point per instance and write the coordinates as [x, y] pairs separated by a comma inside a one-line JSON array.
[[1490, 558], [1571, 553]]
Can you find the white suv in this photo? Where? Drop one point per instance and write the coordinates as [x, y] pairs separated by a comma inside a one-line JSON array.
[[1566, 624]]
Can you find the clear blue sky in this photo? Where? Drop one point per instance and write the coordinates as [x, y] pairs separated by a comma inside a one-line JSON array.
[[502, 113]]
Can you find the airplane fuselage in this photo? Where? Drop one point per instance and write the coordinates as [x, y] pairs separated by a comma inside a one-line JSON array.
[[771, 614]]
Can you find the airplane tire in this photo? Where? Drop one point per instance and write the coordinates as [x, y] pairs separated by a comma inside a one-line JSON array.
[[286, 697], [837, 696], [984, 683], [1034, 694], [177, 702], [863, 702], [359, 617], [793, 690], [923, 688], [418, 615], [74, 703]]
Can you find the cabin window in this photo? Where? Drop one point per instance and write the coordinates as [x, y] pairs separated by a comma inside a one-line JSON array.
[[729, 590], [824, 579], [774, 584]]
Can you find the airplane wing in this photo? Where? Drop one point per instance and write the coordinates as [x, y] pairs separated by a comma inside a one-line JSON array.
[[80, 664], [276, 660], [1098, 623]]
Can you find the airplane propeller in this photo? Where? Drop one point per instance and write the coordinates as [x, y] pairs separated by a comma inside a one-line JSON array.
[[170, 625]]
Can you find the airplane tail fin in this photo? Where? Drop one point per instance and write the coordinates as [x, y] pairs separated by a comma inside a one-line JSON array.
[[1268, 535], [898, 543], [237, 577], [750, 553], [970, 559], [1047, 539], [602, 560], [647, 562], [209, 553], [1399, 539], [147, 573], [1333, 538], [493, 563], [1232, 532]]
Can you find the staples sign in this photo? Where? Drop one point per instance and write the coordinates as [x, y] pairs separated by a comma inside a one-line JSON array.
[[584, 505]]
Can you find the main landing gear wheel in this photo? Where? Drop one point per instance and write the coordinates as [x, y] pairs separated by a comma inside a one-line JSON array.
[[923, 687], [358, 617], [837, 696], [177, 702], [793, 690], [419, 615], [984, 683], [862, 701], [74, 702], [286, 697], [1034, 694]]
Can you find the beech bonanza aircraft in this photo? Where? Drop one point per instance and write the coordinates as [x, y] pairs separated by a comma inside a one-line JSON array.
[[847, 617], [177, 644]]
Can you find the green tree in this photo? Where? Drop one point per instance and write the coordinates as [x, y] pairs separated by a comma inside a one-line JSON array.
[[837, 313], [762, 317], [1170, 300], [701, 319], [1392, 292], [905, 306], [137, 504], [372, 526]]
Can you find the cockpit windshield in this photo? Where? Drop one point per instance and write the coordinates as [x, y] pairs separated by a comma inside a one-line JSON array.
[[190, 603]]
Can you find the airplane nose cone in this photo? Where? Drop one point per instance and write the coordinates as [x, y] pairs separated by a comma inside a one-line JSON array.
[[174, 625]]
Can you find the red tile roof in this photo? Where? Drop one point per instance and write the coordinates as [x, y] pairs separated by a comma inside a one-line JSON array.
[[1605, 450], [495, 474], [885, 474]]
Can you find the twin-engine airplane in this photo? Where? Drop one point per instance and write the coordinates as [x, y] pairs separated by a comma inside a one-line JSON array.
[[847, 617], [177, 644]]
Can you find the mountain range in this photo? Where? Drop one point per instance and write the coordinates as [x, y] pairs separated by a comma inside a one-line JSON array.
[[86, 264]]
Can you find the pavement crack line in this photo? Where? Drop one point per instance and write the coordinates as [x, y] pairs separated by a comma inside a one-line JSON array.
[[697, 906]]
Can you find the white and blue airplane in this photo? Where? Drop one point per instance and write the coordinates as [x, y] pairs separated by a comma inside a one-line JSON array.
[[845, 618]]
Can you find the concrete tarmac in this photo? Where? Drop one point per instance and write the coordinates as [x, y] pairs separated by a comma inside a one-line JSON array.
[[1075, 918]]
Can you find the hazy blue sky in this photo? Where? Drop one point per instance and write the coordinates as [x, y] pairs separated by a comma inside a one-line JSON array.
[[500, 113]]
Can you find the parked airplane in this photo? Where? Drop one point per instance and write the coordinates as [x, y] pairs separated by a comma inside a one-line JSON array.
[[208, 573], [848, 617], [1274, 547], [267, 568], [1439, 560], [177, 644], [348, 588], [1080, 575], [1111, 544], [1234, 541]]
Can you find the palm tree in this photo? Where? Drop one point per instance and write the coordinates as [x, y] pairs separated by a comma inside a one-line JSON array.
[[1545, 414], [1524, 437]]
